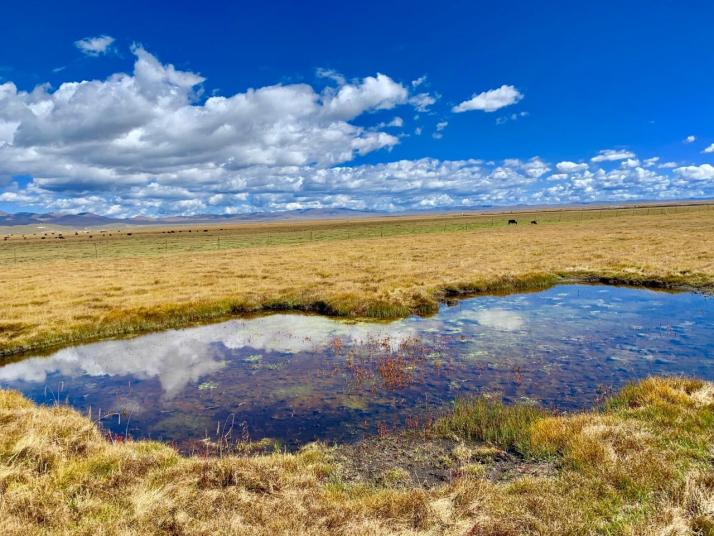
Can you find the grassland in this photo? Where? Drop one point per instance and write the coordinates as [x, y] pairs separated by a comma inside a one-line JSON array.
[[642, 466], [90, 285]]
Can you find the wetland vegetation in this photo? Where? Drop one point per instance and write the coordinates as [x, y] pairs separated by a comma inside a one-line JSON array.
[[497, 416], [296, 378], [642, 465]]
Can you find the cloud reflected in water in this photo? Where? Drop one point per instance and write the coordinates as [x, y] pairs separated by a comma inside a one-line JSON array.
[[180, 357], [499, 319]]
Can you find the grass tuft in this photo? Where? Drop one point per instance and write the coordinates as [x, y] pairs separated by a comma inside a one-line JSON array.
[[492, 422], [641, 465]]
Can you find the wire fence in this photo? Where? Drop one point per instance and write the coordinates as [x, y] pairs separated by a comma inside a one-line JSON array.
[[17, 248]]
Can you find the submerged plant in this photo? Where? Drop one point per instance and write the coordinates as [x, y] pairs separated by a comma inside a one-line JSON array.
[[385, 362]]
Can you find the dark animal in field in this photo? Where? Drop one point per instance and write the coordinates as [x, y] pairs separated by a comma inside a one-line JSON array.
[[512, 222], [534, 222]]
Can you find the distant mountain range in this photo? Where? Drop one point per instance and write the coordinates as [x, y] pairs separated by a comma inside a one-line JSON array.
[[87, 219]]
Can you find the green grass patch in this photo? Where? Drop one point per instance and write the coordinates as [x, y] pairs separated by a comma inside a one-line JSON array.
[[491, 421]]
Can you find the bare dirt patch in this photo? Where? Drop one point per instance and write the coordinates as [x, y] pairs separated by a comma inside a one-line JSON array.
[[409, 460]]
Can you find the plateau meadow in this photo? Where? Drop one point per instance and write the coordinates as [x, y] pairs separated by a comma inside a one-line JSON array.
[[89, 285]]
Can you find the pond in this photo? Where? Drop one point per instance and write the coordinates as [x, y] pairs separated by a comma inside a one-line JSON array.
[[298, 378]]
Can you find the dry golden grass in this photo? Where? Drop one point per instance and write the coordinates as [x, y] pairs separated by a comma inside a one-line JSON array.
[[641, 467], [59, 293]]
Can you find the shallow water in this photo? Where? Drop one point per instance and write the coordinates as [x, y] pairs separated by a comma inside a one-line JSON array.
[[298, 378]]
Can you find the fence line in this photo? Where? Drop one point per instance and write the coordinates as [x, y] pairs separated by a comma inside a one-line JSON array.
[[119, 244]]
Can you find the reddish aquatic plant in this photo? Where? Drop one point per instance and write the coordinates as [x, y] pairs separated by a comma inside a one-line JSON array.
[[382, 429], [394, 372], [384, 362]]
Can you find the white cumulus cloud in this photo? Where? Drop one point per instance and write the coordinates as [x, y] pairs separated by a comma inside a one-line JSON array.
[[331, 74], [440, 126], [148, 128], [95, 46], [418, 81], [570, 167], [704, 172], [491, 100], [150, 142], [612, 155], [422, 101]]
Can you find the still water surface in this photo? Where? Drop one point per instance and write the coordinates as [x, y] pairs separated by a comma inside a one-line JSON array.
[[298, 378]]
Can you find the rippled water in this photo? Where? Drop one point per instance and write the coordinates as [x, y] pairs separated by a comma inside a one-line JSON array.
[[297, 378]]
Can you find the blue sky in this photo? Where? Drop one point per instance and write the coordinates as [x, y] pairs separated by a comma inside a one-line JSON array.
[[122, 108]]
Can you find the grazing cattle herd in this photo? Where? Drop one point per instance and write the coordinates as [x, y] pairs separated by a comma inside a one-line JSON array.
[[60, 237]]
